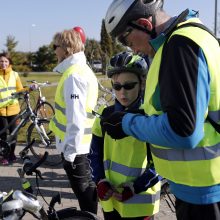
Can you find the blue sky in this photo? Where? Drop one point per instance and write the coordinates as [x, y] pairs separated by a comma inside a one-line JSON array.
[[34, 22]]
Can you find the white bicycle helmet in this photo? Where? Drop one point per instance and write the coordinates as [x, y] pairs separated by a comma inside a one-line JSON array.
[[121, 12]]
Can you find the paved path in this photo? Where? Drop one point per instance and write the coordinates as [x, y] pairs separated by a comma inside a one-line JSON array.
[[55, 181]]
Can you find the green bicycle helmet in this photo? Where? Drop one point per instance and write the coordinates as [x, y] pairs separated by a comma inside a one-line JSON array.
[[127, 62]]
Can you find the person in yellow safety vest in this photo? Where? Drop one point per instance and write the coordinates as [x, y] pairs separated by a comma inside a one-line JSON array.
[[75, 97], [9, 107], [182, 100], [127, 184]]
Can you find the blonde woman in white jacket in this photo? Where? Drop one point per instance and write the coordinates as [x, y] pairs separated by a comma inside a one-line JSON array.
[[76, 96]]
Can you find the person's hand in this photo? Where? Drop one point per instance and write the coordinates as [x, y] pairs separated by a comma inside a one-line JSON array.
[[33, 87], [148, 179], [104, 190], [113, 125], [126, 193]]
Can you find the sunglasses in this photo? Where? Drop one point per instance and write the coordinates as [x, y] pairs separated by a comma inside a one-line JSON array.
[[122, 37], [126, 86], [55, 46]]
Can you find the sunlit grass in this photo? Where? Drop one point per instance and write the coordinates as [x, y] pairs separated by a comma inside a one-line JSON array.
[[49, 92]]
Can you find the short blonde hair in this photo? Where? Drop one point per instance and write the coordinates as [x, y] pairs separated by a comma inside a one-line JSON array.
[[70, 41]]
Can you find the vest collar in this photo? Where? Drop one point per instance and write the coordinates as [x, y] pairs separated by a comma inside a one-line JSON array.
[[185, 15], [7, 71], [76, 58]]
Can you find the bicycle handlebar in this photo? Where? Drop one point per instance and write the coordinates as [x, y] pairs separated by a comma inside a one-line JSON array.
[[104, 89], [29, 167], [17, 94], [39, 83]]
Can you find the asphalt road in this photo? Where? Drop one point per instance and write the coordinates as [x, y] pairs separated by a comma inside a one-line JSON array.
[[55, 181]]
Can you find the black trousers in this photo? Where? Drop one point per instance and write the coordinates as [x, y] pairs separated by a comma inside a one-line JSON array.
[[188, 211], [114, 215], [79, 175], [4, 121]]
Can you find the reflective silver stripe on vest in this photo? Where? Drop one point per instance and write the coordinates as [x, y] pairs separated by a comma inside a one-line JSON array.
[[199, 153], [214, 115], [4, 100], [63, 127], [143, 199], [60, 126], [63, 110], [8, 88], [122, 169], [58, 107]]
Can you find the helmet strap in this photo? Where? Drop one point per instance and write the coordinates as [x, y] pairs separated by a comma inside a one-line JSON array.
[[152, 33]]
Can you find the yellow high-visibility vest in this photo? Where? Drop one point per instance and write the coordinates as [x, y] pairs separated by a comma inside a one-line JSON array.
[[124, 161], [59, 121], [7, 89], [199, 166]]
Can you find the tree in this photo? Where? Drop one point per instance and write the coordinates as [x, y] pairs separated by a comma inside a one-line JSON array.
[[93, 50], [106, 46], [11, 44], [44, 59], [19, 59], [116, 47]]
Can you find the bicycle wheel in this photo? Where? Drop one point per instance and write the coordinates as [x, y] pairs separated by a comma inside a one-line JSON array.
[[74, 214], [45, 110], [42, 134], [23, 104]]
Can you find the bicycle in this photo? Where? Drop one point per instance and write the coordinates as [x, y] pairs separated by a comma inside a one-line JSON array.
[[166, 195], [42, 108], [106, 96], [38, 130], [16, 204]]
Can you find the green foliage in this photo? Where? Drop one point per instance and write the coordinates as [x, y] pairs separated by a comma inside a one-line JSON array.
[[44, 59], [106, 46], [106, 41], [11, 44], [92, 50], [20, 62], [117, 47]]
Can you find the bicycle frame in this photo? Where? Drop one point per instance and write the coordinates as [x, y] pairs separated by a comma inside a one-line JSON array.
[[40, 98], [25, 116]]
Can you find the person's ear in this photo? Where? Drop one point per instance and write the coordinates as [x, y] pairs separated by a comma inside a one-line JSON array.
[[146, 23]]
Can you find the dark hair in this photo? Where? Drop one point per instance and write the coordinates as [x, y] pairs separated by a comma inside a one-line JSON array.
[[6, 55]]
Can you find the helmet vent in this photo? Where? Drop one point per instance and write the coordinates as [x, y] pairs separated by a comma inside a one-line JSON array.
[[111, 19], [147, 1]]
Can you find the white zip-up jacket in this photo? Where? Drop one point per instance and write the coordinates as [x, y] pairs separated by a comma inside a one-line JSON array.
[[75, 93]]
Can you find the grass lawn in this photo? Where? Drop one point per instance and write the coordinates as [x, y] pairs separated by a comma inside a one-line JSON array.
[[49, 92]]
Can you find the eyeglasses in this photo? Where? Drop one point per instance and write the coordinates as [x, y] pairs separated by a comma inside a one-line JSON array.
[[126, 86], [55, 46], [122, 37]]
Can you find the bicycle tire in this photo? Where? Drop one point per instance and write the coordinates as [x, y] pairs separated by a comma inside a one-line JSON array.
[[74, 214], [45, 110], [38, 148], [23, 104]]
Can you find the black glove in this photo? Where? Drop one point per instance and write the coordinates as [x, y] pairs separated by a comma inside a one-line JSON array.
[[113, 125], [148, 179], [135, 111]]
